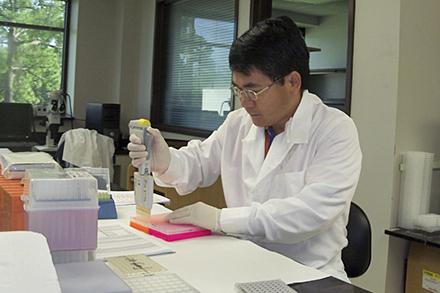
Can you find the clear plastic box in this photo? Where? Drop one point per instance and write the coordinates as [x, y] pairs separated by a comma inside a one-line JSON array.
[[59, 185], [14, 165], [102, 176]]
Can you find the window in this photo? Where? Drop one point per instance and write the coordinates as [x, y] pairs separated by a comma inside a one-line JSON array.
[[33, 43], [191, 77]]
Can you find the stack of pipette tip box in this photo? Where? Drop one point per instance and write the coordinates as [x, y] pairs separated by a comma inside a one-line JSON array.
[[63, 206]]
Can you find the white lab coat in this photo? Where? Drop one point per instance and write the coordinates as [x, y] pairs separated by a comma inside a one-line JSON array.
[[296, 200]]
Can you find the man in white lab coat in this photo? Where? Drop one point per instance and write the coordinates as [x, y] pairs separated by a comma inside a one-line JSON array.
[[289, 164]]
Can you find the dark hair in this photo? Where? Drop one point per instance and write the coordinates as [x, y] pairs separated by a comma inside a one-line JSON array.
[[274, 46]]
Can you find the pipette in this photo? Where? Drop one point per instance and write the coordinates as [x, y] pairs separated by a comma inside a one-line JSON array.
[[143, 180]]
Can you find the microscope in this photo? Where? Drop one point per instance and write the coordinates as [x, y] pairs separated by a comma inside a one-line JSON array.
[[55, 108]]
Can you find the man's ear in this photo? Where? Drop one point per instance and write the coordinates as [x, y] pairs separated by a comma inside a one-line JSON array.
[[294, 81]]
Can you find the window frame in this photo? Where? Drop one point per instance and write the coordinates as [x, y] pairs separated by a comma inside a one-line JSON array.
[[66, 37], [159, 73]]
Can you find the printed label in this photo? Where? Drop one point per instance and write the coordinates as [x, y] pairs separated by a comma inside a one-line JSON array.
[[431, 281]]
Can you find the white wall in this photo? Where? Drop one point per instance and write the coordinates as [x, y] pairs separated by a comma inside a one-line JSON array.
[[72, 60], [418, 115], [395, 105], [112, 56], [374, 110], [136, 60], [418, 120], [331, 37], [97, 46]]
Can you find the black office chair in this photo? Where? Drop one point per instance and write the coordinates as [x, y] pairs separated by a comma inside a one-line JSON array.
[[356, 256]]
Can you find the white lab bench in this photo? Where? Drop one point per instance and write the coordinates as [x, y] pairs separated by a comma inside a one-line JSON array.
[[215, 263]]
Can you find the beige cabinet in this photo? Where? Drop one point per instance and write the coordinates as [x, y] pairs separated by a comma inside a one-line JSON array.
[[212, 195], [120, 169]]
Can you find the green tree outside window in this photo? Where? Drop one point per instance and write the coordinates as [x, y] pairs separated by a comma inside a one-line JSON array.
[[31, 49]]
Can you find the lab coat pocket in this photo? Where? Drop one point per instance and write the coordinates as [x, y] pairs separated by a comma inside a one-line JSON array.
[[287, 184]]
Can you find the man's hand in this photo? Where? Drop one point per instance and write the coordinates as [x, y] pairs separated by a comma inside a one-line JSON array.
[[199, 214], [160, 153]]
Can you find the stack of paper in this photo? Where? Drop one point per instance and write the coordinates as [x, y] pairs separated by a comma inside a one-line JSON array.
[[123, 198], [116, 239]]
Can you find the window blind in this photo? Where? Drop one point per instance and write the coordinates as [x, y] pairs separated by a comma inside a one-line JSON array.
[[197, 80]]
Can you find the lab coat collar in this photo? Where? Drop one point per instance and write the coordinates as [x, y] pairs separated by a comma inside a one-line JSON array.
[[297, 128], [253, 143], [296, 131]]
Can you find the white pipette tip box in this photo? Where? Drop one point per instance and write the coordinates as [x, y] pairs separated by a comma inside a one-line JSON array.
[[63, 206], [65, 229]]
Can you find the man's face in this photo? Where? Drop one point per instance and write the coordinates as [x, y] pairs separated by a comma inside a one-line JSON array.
[[274, 106]]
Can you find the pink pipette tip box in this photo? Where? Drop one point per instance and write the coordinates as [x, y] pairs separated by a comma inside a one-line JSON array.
[[173, 232]]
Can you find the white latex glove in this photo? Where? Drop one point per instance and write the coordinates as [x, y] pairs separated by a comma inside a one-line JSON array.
[[160, 156], [199, 214]]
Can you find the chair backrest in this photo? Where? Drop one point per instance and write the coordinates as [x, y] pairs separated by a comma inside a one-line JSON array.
[[356, 256]]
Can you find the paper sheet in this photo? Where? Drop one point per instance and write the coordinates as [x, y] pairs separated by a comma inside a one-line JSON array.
[[25, 263], [127, 198], [117, 239], [218, 262]]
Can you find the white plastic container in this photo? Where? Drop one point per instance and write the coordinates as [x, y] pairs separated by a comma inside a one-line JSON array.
[[69, 256], [65, 228]]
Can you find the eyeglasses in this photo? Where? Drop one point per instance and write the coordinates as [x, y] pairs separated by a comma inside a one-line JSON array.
[[250, 94]]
